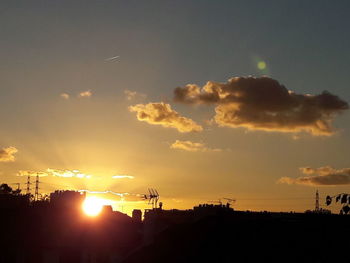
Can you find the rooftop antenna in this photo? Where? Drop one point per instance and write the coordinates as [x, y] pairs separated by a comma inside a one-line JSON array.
[[152, 198], [156, 198], [230, 201]]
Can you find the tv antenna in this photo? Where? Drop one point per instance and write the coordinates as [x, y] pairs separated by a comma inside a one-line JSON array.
[[152, 198], [229, 202]]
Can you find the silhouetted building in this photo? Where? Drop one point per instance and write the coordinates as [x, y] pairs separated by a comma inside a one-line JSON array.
[[107, 210], [157, 220], [239, 236], [67, 199], [137, 215]]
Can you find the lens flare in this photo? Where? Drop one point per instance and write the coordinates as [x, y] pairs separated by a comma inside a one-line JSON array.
[[261, 65]]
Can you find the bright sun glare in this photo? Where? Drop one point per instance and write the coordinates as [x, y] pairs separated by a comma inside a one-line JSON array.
[[92, 206]]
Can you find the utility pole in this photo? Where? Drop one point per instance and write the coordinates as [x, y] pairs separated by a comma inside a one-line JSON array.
[[36, 196], [28, 185], [317, 203]]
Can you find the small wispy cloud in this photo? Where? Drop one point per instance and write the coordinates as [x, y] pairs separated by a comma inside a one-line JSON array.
[[130, 95], [65, 96], [31, 173], [123, 177], [67, 173], [85, 94], [176, 200], [7, 154], [104, 192], [192, 146], [55, 173]]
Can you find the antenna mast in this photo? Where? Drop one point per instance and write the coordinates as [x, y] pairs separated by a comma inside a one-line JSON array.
[[153, 197]]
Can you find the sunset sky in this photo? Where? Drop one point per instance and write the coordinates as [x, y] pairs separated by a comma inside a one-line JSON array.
[[201, 100]]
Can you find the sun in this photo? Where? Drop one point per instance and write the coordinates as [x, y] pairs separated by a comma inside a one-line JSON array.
[[92, 206]]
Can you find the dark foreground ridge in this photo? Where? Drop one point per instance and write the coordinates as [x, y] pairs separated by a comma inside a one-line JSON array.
[[55, 230]]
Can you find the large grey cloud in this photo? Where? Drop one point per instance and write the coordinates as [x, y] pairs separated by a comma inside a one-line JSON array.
[[159, 113], [264, 104], [320, 176]]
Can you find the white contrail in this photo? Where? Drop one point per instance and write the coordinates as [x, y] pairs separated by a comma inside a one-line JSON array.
[[112, 58]]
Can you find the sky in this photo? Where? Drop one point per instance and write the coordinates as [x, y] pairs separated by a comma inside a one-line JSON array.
[[201, 100]]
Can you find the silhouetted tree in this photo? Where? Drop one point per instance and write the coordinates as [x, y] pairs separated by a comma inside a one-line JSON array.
[[344, 200], [6, 189]]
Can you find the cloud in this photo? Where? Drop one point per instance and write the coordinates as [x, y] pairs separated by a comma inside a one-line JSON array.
[[123, 176], [160, 113], [67, 173], [85, 94], [6, 154], [264, 104], [326, 176], [65, 96], [55, 172], [192, 146], [111, 58], [130, 95], [105, 192], [31, 173]]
